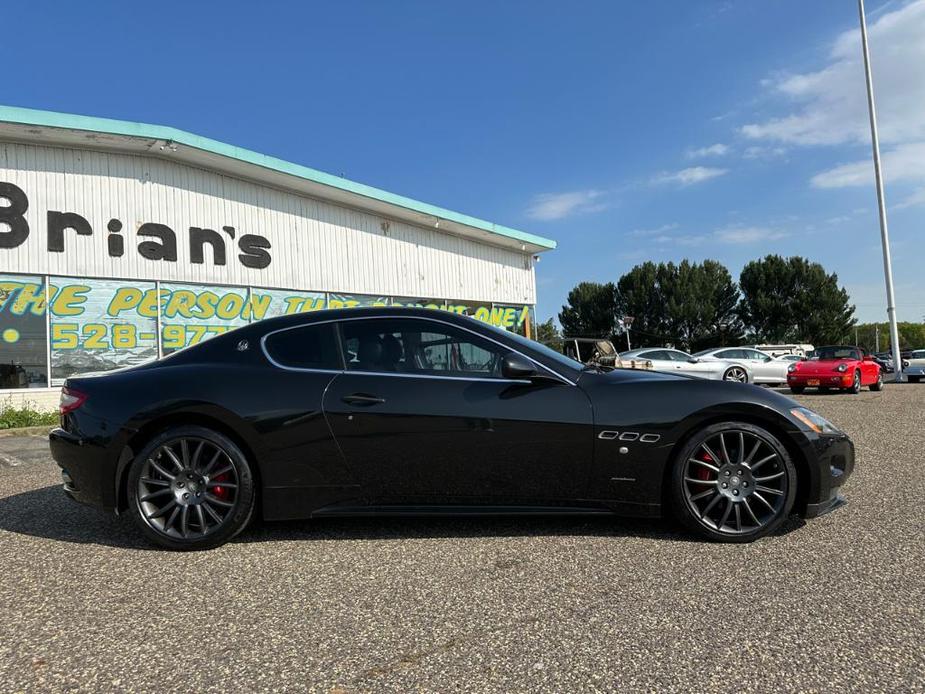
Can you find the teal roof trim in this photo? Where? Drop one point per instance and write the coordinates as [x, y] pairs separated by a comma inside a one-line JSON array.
[[53, 119]]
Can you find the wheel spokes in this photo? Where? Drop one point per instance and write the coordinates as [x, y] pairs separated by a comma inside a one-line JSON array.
[[719, 482], [180, 497]]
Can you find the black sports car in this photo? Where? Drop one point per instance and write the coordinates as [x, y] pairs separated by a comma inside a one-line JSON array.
[[414, 411]]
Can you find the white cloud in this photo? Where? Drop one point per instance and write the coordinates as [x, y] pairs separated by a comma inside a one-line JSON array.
[[914, 200], [717, 150], [551, 206], [760, 152], [689, 176], [831, 102], [746, 235], [657, 231], [738, 235], [903, 163]]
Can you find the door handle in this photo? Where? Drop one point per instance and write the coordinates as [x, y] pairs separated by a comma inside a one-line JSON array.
[[362, 399]]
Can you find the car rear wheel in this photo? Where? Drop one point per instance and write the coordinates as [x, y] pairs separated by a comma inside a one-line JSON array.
[[733, 482], [190, 488], [855, 386], [736, 374]]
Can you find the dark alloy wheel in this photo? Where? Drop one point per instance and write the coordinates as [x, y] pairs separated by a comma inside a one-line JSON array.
[[733, 482], [855, 386], [191, 488], [878, 385], [736, 374]]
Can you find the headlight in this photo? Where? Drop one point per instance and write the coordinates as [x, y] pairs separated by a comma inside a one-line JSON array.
[[814, 421], [792, 368], [842, 368]]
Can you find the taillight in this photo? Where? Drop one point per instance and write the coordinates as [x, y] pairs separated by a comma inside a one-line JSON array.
[[70, 400]]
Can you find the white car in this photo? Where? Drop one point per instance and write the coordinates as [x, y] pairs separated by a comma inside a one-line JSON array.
[[914, 366], [674, 360], [762, 367]]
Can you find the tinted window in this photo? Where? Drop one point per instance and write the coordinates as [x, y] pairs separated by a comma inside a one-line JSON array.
[[728, 354], [675, 355], [414, 346], [825, 353], [307, 347], [658, 355]]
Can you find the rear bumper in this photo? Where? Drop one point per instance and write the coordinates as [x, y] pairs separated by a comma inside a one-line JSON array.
[[88, 469], [835, 462]]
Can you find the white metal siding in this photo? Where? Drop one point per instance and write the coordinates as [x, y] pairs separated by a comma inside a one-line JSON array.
[[316, 245]]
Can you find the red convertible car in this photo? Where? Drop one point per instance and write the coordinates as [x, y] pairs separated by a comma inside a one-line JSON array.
[[845, 368]]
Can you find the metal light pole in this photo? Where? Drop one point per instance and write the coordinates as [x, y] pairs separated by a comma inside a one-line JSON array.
[[878, 174]]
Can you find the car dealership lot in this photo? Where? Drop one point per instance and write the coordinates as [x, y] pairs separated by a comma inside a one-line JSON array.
[[478, 604]]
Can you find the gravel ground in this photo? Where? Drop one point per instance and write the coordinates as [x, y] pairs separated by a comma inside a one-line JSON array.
[[835, 604]]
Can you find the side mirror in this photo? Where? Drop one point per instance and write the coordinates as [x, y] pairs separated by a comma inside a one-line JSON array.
[[693, 360], [517, 367], [766, 359]]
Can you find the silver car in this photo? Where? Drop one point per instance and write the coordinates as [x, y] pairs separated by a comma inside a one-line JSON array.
[[914, 366], [676, 361], [762, 367]]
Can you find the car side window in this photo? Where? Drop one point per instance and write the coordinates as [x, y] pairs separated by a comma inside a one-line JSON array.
[[676, 356], [305, 347], [656, 354], [727, 354], [418, 347]]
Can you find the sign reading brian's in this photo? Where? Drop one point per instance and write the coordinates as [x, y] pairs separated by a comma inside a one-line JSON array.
[[157, 241]]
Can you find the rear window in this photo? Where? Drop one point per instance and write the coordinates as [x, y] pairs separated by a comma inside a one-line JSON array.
[[306, 347]]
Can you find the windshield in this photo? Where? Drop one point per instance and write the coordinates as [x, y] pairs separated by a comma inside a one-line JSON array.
[[830, 353]]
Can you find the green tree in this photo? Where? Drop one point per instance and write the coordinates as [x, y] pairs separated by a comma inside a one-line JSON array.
[[794, 300], [590, 311], [911, 336], [548, 334], [692, 305]]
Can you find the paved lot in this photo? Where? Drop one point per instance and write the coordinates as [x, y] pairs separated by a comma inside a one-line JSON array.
[[480, 605]]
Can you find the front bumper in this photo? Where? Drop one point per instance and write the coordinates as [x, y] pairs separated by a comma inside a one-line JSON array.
[[834, 463], [828, 380]]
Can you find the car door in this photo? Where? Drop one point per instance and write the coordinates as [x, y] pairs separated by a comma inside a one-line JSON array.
[[682, 362], [764, 368], [423, 415], [661, 360]]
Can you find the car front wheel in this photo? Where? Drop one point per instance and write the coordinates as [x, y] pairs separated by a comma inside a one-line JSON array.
[[878, 385], [733, 482], [855, 386], [190, 488], [736, 374]]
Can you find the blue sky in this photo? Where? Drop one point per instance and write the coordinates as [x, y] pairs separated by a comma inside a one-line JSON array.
[[626, 131]]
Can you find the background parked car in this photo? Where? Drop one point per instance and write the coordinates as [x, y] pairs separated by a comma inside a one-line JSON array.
[[839, 366], [762, 366], [676, 361], [885, 359], [915, 366], [792, 357]]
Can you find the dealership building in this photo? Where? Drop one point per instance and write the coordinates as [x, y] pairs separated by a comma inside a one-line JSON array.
[[122, 241]]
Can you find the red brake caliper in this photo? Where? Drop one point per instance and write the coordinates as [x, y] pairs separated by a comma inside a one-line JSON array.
[[702, 472], [221, 492]]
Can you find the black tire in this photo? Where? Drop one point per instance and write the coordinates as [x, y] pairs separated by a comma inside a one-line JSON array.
[[191, 480], [700, 514], [855, 386], [796, 390], [736, 374], [878, 385], [914, 379]]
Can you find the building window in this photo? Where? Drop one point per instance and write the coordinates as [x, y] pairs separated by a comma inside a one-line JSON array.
[[23, 332], [99, 325], [270, 303], [191, 314], [356, 300]]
